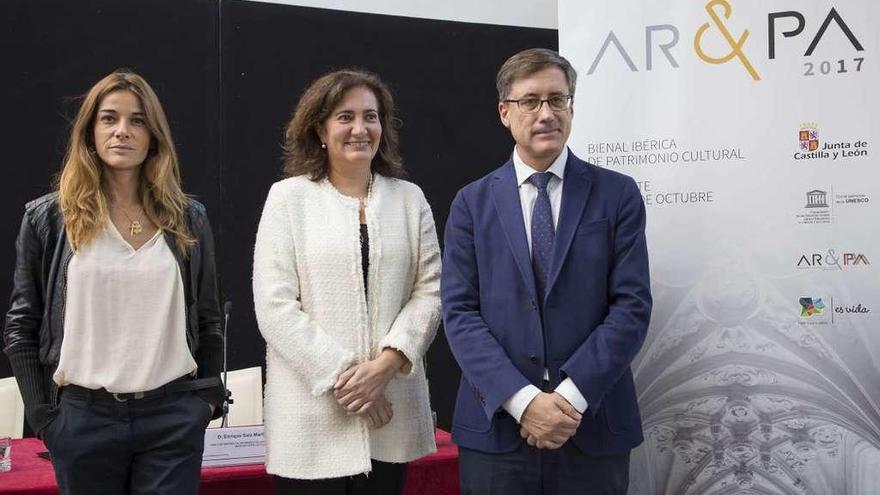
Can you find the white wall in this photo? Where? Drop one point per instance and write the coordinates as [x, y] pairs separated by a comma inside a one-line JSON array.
[[526, 13]]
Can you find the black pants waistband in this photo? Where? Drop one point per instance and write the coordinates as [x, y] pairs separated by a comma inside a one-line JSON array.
[[182, 384]]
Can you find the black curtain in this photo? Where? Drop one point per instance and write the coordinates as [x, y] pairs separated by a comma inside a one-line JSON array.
[[229, 74]]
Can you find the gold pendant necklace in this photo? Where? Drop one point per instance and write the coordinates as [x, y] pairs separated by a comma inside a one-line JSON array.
[[134, 226]]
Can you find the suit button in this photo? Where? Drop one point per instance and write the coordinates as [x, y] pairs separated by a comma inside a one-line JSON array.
[[534, 306], [533, 358]]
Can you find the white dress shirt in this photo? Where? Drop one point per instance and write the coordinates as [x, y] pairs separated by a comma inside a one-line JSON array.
[[518, 402]]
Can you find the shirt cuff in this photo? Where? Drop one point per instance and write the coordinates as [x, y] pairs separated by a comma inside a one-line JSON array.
[[517, 403], [571, 393]]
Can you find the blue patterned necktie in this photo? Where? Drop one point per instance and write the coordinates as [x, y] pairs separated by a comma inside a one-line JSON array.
[[543, 234]]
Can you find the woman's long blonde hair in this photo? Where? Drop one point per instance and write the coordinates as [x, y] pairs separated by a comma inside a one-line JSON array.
[[81, 195]]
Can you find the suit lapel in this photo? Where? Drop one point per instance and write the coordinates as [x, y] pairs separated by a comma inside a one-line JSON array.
[[575, 192], [505, 195]]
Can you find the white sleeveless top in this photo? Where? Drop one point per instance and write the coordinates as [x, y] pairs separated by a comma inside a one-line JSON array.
[[124, 317]]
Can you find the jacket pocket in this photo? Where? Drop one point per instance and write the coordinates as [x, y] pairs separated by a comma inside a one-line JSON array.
[[621, 408], [469, 413], [593, 227]]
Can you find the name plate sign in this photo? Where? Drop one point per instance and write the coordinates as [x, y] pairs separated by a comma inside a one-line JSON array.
[[234, 446]]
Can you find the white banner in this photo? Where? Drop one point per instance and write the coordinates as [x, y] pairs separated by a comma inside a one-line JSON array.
[[751, 128]]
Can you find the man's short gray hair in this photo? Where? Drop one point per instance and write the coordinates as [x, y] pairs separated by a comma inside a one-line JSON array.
[[526, 63]]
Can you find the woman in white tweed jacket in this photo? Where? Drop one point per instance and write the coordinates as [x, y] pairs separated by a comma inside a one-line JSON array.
[[346, 289]]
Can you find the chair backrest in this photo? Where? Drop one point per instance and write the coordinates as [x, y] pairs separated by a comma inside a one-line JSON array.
[[11, 409], [247, 395]]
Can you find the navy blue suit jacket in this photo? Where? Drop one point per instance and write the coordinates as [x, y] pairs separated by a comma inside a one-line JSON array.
[[595, 316]]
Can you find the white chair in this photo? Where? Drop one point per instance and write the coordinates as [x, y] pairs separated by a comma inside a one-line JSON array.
[[11, 409], [247, 395]]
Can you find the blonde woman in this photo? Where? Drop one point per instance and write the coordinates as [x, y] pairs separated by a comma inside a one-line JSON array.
[[113, 329], [346, 288]]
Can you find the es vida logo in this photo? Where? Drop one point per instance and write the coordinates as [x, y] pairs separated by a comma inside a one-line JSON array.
[[722, 22], [811, 306], [814, 308]]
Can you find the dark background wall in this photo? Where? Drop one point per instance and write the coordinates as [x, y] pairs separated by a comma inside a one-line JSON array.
[[229, 74], [54, 51]]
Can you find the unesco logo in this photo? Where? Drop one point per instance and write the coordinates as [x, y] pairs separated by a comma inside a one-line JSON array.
[[816, 211], [817, 198], [820, 205]]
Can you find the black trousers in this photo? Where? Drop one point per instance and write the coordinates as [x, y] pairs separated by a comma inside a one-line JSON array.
[[531, 471], [146, 446], [385, 479]]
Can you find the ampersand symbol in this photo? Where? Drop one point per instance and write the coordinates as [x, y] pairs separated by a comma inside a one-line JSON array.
[[735, 45], [832, 259]]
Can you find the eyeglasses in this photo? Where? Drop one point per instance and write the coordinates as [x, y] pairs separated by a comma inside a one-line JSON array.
[[557, 103]]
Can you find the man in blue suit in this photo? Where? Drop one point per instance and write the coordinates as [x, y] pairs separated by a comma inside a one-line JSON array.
[[546, 301]]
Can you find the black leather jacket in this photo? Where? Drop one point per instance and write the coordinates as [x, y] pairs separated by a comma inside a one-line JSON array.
[[35, 320]]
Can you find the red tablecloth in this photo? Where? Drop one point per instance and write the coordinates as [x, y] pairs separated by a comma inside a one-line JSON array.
[[436, 474]]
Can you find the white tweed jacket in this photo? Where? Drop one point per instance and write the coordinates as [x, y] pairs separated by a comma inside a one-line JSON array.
[[312, 310]]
